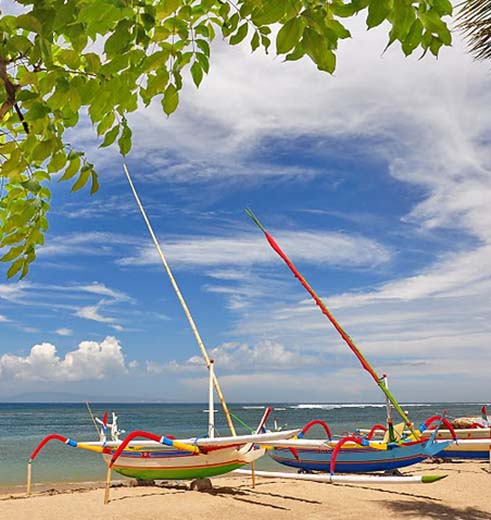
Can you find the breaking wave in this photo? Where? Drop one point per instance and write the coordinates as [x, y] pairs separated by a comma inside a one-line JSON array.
[[317, 406]]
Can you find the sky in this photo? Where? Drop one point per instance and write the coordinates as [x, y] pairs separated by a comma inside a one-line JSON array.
[[376, 181]]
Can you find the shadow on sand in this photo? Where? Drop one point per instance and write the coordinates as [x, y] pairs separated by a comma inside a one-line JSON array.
[[424, 509]]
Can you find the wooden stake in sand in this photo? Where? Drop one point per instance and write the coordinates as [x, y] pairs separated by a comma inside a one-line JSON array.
[[29, 477], [253, 475], [108, 485]]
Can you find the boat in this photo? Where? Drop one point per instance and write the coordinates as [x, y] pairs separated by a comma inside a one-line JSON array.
[[355, 453], [162, 457], [472, 442]]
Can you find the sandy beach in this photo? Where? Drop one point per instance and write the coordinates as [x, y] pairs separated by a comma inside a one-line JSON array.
[[464, 494]]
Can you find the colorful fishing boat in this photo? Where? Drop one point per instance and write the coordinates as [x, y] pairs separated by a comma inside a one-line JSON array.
[[353, 458], [473, 442], [355, 453], [161, 457]]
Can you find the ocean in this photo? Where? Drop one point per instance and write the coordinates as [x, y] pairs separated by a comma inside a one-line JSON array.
[[24, 425]]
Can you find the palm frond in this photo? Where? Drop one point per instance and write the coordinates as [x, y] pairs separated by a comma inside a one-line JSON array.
[[474, 21]]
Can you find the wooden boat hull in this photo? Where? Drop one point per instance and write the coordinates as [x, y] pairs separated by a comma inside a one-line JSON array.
[[356, 459], [172, 464], [478, 451]]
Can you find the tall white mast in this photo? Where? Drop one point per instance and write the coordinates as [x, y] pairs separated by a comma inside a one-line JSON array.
[[181, 300], [211, 402]]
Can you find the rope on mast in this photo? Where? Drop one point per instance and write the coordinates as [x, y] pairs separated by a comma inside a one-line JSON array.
[[181, 300]]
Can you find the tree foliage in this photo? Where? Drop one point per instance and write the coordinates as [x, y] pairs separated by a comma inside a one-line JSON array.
[[474, 20], [62, 58]]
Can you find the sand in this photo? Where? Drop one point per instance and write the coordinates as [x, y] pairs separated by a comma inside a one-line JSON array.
[[465, 494]]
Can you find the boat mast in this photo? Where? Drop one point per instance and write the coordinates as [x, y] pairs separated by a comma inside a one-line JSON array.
[[365, 364], [181, 300], [390, 422], [211, 403]]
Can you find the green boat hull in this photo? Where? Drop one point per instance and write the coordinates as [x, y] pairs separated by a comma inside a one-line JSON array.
[[177, 474]]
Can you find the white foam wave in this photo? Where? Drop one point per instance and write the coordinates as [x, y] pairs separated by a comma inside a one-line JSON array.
[[328, 406], [253, 407]]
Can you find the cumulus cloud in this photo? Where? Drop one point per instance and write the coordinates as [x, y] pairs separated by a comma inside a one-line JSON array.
[[91, 360], [231, 356]]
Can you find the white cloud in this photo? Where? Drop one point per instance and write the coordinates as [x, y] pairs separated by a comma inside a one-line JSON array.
[[232, 356], [14, 292], [91, 312], [82, 244], [64, 332], [248, 248], [3, 319], [91, 360]]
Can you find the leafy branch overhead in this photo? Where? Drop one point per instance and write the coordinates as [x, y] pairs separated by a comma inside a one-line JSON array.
[[60, 59]]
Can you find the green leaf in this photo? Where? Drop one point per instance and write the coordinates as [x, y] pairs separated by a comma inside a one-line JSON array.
[[413, 38], [167, 7], [30, 23], [82, 179], [204, 46], [170, 99], [298, 53], [378, 11], [95, 183], [15, 267], [270, 12], [316, 48], [106, 123], [124, 141], [25, 269], [37, 111], [255, 41], [110, 137], [443, 7], [196, 73], [57, 162], [240, 34], [435, 46], [289, 35], [119, 41], [71, 170], [31, 185], [13, 252], [43, 150]]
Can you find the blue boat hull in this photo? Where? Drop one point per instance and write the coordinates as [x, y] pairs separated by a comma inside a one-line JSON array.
[[463, 454], [356, 460]]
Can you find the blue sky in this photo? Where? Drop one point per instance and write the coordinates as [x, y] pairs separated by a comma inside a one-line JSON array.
[[377, 183]]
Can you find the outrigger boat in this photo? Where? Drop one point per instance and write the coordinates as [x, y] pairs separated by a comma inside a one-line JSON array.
[[162, 457], [472, 434], [355, 453]]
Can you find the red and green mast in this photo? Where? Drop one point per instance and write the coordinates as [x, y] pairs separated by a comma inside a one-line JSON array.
[[364, 363]]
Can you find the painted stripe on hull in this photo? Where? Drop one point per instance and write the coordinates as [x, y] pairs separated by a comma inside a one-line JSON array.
[[464, 454], [176, 473]]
